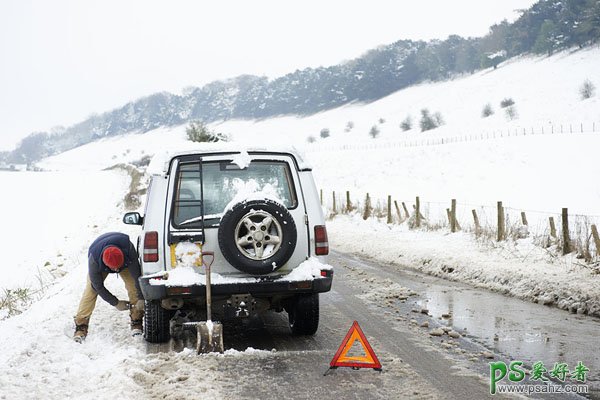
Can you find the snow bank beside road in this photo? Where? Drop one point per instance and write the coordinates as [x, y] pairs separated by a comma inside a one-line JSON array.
[[517, 268]]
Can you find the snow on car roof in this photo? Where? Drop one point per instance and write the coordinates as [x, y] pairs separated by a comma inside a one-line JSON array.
[[159, 164]]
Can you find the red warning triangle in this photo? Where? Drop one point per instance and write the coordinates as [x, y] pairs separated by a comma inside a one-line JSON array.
[[342, 359]]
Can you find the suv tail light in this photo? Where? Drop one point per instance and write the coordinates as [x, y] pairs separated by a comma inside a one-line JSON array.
[[321, 243], [151, 246]]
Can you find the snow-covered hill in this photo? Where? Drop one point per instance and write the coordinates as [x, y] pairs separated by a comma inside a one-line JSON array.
[[541, 172]]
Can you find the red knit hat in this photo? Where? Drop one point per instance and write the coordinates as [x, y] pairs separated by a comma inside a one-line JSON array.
[[113, 257]]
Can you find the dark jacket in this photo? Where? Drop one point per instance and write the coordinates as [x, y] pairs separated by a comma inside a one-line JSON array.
[[97, 268]]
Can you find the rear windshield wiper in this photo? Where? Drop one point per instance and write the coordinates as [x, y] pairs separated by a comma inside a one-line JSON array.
[[197, 219]]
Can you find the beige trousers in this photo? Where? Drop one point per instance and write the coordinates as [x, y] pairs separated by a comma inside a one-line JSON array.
[[88, 300]]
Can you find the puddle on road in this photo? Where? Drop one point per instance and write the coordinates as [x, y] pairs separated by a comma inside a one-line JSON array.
[[515, 328]]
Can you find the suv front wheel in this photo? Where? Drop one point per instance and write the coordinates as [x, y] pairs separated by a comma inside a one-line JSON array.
[[304, 314]]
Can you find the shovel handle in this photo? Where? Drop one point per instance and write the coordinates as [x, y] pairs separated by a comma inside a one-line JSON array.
[[210, 258]]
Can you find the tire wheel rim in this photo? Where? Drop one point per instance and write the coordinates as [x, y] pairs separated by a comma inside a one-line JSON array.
[[258, 235]]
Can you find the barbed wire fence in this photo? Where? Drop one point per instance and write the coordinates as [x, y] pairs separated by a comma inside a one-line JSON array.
[[560, 233], [431, 140]]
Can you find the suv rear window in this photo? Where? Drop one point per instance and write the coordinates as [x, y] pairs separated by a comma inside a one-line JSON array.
[[222, 181]]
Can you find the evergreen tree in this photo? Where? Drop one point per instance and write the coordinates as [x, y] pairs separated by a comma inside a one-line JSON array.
[[548, 39], [428, 62], [467, 57], [589, 29], [32, 148]]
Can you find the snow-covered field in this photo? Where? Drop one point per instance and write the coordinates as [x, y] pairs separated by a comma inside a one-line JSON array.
[[48, 218], [51, 217]]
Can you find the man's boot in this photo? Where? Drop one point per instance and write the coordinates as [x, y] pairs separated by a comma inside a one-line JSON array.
[[81, 332], [136, 327]]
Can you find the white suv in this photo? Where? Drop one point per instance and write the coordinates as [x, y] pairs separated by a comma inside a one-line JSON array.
[[259, 213]]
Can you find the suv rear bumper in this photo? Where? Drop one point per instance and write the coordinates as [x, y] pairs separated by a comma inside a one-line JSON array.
[[258, 289]]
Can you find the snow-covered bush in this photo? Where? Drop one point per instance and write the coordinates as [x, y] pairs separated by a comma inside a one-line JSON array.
[[14, 302], [507, 102], [587, 89], [429, 121], [349, 126], [487, 111], [374, 132], [511, 113], [406, 124], [199, 132], [324, 133], [311, 139]]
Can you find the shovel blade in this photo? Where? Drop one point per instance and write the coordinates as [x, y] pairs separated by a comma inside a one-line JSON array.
[[210, 337]]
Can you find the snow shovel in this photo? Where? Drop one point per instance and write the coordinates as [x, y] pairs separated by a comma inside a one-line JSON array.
[[210, 334]]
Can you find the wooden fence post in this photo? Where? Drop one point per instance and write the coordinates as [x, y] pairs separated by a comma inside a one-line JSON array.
[[398, 212], [367, 211], [501, 226], [565, 232], [389, 210], [524, 218], [552, 227], [453, 215], [449, 214], [596, 239], [321, 196], [406, 213], [476, 220], [348, 203], [418, 212], [334, 207]]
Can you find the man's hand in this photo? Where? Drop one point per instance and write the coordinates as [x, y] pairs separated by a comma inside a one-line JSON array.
[[140, 305], [122, 305]]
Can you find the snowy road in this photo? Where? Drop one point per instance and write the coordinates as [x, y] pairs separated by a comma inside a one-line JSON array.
[[412, 366], [415, 364]]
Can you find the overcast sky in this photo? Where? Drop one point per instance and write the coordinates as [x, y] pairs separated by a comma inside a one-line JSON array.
[[63, 60]]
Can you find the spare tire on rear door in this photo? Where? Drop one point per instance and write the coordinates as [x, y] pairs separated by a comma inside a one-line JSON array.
[[257, 236]]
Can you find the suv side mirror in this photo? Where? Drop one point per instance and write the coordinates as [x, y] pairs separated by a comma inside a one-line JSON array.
[[133, 218]]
